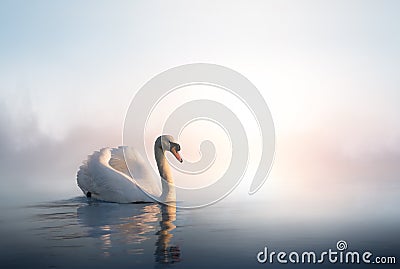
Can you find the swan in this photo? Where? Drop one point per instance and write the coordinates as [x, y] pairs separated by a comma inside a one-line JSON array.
[[105, 176]]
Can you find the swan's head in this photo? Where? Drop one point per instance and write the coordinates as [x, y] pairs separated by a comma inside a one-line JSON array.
[[168, 143]]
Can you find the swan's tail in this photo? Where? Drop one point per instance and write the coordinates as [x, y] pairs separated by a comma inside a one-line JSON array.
[[84, 177]]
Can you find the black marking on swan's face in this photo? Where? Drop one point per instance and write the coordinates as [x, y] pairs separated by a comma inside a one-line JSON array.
[[175, 146], [166, 143]]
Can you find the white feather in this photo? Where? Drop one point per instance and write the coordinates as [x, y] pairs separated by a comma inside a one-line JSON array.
[[106, 176]]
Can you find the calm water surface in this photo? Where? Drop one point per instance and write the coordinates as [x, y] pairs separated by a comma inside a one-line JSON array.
[[81, 233]]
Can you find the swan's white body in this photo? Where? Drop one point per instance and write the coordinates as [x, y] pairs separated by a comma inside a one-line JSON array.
[[105, 176]]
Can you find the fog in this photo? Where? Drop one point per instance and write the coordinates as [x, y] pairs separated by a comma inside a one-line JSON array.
[[328, 72]]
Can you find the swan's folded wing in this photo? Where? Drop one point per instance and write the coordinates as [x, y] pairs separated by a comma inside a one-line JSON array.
[[139, 170], [106, 183], [117, 160]]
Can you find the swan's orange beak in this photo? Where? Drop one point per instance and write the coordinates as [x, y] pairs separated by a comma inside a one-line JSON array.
[[176, 154]]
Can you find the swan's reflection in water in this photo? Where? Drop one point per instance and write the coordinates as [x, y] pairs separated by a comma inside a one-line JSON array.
[[165, 251], [131, 228]]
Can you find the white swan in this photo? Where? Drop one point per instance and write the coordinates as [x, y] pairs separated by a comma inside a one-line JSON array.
[[105, 176]]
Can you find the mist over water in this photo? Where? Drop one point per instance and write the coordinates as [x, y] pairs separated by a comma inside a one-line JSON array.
[[327, 70], [311, 200]]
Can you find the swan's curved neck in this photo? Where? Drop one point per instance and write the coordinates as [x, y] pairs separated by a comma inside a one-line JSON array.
[[168, 189]]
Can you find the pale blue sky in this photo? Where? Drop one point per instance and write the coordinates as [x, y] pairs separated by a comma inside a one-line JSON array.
[[327, 69], [73, 57]]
